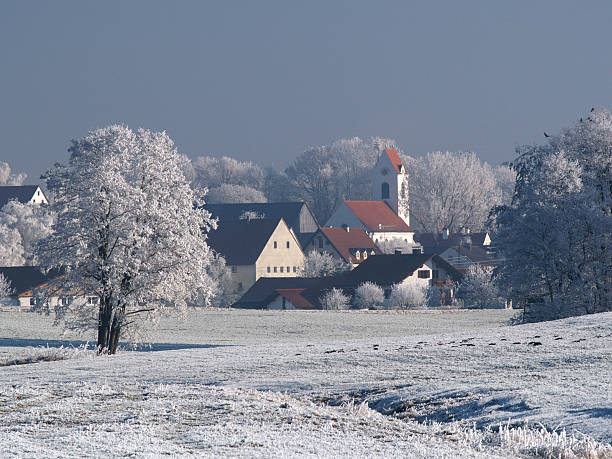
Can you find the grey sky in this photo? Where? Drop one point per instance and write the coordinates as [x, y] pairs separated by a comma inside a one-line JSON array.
[[262, 80]]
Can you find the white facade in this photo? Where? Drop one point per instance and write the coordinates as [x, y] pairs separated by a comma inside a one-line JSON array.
[[391, 186], [38, 197]]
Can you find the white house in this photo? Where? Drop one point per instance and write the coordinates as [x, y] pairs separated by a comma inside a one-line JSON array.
[[386, 217], [25, 194]]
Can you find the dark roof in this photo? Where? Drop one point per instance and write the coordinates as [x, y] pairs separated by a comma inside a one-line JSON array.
[[24, 278], [240, 242], [476, 254], [347, 242], [288, 211], [22, 193], [377, 216], [391, 269], [304, 238], [263, 292], [432, 240]]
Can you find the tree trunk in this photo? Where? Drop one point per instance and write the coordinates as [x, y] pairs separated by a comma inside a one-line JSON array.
[[104, 325]]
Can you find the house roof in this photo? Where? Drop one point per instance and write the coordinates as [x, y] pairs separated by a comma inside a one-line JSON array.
[[347, 242], [377, 216], [391, 269], [288, 211], [395, 160], [430, 240], [241, 242], [263, 292], [475, 254], [24, 278], [22, 193], [294, 296]]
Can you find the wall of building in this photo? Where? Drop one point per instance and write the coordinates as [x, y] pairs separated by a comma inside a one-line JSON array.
[[39, 197], [243, 277], [344, 216], [280, 257], [308, 224]]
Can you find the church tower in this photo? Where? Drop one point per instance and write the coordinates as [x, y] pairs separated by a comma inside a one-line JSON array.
[[390, 183]]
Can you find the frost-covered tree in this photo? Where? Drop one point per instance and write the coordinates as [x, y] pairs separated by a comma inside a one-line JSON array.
[[5, 288], [324, 176], [478, 287], [451, 190], [227, 193], [322, 264], [223, 295], [334, 299], [33, 222], [409, 295], [368, 295], [505, 177], [12, 252], [212, 172], [129, 230], [7, 177], [556, 236]]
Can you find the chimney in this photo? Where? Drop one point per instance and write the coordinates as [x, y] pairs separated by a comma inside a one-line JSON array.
[[347, 228], [445, 233]]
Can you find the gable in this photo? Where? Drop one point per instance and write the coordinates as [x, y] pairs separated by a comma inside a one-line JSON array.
[[22, 193], [348, 242], [377, 216]]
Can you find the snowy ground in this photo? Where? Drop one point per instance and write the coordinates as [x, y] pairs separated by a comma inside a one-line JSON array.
[[244, 383]]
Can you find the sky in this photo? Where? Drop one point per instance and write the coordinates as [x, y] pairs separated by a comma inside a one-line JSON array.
[[264, 80]]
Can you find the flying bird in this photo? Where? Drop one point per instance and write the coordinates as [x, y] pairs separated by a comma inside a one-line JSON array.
[[546, 135], [592, 109]]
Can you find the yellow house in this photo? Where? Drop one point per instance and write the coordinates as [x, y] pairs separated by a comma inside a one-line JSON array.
[[255, 248]]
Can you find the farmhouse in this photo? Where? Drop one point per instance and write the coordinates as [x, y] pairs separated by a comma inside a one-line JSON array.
[[262, 247], [297, 215], [25, 194], [386, 219], [352, 245]]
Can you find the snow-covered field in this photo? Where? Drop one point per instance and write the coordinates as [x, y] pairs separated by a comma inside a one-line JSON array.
[[252, 383]]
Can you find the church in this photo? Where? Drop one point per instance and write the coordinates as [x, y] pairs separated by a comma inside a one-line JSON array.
[[386, 218]]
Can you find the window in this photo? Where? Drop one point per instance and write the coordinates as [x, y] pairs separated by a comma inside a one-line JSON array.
[[32, 301], [320, 243], [234, 269], [295, 269], [275, 245], [357, 254], [365, 254], [288, 269], [275, 269], [424, 274], [384, 190], [416, 251], [287, 244], [92, 300], [282, 268], [269, 269]]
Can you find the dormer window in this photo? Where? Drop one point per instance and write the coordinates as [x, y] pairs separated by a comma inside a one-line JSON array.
[[357, 256]]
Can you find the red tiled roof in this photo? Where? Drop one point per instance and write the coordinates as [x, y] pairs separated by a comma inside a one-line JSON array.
[[395, 160], [377, 216], [294, 296], [345, 242]]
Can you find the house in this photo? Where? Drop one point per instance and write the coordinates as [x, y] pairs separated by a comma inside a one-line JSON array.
[[297, 215], [25, 194], [445, 239], [423, 269], [352, 245], [386, 218], [27, 282], [262, 247], [283, 293], [464, 256]]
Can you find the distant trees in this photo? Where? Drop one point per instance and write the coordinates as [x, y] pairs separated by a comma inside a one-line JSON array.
[[334, 299], [452, 190], [556, 235], [229, 180], [408, 296], [32, 222], [7, 177], [11, 248], [322, 264], [478, 287], [5, 288], [128, 231], [324, 176], [368, 295]]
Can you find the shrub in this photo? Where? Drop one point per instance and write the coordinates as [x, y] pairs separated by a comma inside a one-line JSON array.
[[369, 295], [334, 299]]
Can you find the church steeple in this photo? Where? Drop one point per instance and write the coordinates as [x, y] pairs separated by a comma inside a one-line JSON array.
[[390, 183]]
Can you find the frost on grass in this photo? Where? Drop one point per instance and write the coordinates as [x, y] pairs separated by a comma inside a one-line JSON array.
[[48, 354]]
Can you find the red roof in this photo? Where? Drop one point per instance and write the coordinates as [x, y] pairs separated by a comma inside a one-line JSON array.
[[345, 242], [377, 216], [395, 160], [294, 296]]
